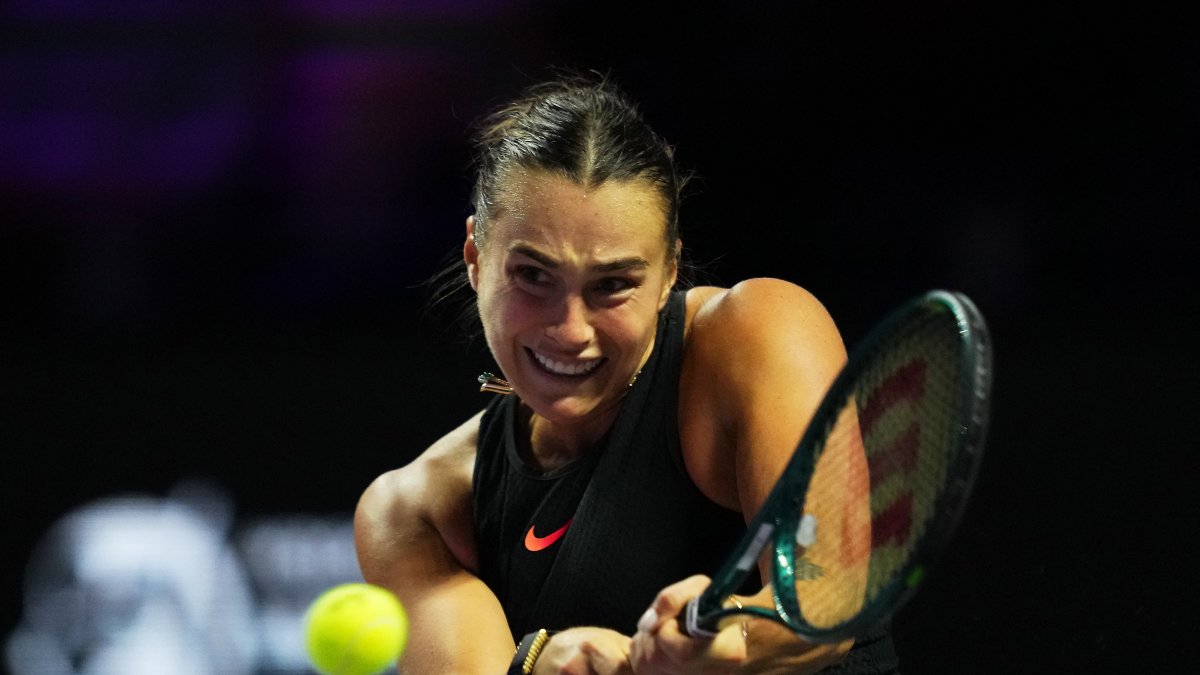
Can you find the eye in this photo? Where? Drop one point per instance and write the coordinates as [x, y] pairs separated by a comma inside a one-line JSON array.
[[613, 285], [534, 276]]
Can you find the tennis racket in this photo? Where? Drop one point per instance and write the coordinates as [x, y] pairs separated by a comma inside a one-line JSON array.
[[878, 482]]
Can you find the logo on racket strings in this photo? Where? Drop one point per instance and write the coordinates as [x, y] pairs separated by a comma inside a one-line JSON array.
[[893, 448]]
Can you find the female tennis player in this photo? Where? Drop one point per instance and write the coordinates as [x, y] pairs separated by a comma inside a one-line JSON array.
[[630, 433]]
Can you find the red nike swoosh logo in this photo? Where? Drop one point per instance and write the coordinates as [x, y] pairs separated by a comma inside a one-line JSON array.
[[535, 543]]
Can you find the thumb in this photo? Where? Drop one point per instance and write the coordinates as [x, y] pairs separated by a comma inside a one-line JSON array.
[[670, 602]]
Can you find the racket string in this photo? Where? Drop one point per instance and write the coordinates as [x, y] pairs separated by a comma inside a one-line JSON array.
[[882, 465]]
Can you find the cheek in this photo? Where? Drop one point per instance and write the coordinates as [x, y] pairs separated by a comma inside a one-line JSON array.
[[503, 313], [632, 330]]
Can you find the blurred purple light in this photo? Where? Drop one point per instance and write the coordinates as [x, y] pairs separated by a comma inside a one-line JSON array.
[[110, 10], [366, 9], [112, 125], [319, 9]]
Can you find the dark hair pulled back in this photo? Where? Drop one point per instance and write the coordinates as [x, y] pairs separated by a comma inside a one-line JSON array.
[[581, 126], [578, 126]]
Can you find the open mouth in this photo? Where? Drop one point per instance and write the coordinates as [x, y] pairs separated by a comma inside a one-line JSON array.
[[574, 368]]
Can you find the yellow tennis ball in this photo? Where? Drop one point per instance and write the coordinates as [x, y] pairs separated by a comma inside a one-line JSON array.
[[355, 629]]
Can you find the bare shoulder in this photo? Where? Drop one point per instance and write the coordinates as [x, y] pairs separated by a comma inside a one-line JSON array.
[[759, 314], [757, 359], [430, 494]]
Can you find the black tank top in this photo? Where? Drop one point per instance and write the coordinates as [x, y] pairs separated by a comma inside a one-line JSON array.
[[592, 543]]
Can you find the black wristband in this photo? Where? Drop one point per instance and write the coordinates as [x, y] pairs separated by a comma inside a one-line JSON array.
[[528, 652]]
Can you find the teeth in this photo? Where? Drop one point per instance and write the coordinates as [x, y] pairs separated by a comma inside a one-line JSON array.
[[567, 368]]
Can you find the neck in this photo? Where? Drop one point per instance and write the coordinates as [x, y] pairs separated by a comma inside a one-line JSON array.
[[551, 445]]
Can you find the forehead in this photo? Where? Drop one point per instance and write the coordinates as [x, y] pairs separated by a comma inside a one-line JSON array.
[[553, 209]]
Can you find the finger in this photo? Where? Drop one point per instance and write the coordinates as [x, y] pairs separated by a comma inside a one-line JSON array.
[[728, 646], [670, 601], [611, 660]]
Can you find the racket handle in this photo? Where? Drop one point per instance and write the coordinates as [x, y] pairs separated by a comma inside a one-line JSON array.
[[690, 621]]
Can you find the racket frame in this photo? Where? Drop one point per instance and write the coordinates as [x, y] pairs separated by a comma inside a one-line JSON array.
[[777, 520]]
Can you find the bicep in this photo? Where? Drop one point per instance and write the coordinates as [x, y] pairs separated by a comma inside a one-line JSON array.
[[405, 543], [790, 355], [780, 380]]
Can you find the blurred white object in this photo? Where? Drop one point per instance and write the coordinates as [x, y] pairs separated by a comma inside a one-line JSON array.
[[290, 560], [135, 584], [138, 584]]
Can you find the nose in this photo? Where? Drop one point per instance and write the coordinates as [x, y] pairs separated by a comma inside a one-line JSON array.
[[572, 329]]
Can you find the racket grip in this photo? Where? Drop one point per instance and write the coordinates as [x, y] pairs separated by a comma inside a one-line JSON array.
[[689, 622]]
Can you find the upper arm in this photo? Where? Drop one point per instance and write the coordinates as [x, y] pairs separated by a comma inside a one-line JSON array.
[[761, 357], [414, 535], [769, 351]]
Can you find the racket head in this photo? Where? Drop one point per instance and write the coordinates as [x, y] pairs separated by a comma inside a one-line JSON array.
[[879, 480]]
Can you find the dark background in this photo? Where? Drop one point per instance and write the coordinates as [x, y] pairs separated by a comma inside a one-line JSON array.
[[216, 220]]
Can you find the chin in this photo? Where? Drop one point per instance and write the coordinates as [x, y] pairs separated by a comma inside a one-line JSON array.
[[569, 410], [562, 409]]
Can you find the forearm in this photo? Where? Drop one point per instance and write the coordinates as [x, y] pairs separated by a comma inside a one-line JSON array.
[[456, 624], [774, 648], [412, 530], [457, 628]]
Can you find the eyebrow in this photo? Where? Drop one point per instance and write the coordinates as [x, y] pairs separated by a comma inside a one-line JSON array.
[[619, 265]]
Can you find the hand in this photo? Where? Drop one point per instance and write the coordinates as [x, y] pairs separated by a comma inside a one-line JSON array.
[[660, 646], [585, 651]]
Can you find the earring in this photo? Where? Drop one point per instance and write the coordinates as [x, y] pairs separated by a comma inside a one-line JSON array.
[[490, 383]]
